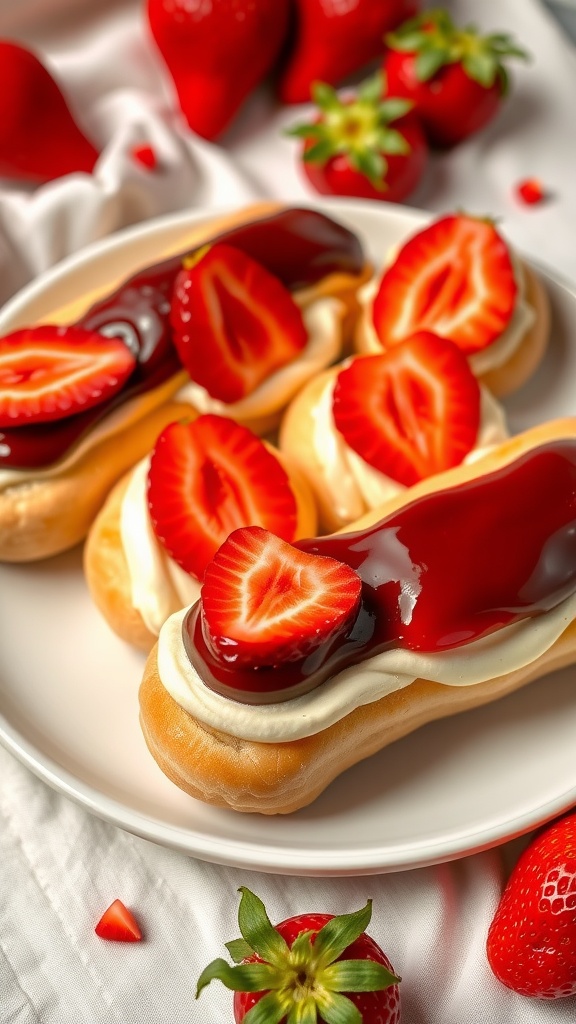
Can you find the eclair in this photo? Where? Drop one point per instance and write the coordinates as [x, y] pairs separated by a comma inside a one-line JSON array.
[[368, 428], [58, 462], [458, 278], [147, 550], [453, 594]]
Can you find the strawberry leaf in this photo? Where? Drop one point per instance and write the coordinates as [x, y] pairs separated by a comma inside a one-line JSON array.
[[393, 109], [357, 976], [338, 933], [268, 1010], [257, 930], [324, 96], [337, 1009], [303, 1012], [239, 950], [371, 89], [319, 153], [256, 977], [429, 61], [305, 131], [393, 142], [482, 67], [372, 164]]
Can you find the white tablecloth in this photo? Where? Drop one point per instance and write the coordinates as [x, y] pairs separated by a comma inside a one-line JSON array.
[[59, 866]]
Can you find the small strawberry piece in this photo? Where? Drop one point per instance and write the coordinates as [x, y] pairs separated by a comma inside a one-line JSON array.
[[531, 943], [454, 278], [234, 322], [48, 373], [264, 602], [210, 477], [145, 155], [310, 968], [530, 191], [412, 411], [118, 924]]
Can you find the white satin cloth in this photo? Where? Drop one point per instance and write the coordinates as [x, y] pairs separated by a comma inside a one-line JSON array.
[[59, 866]]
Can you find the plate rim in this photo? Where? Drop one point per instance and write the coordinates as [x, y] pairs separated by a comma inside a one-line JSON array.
[[236, 852]]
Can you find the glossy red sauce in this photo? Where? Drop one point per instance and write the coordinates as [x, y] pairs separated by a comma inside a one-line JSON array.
[[449, 568], [298, 246]]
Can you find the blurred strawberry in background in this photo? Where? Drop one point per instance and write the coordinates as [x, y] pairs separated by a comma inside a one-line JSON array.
[[333, 38], [217, 53]]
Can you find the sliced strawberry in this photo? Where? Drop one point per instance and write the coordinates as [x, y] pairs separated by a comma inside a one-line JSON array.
[[206, 479], [454, 278], [412, 411], [48, 373], [265, 602], [118, 923], [234, 322]]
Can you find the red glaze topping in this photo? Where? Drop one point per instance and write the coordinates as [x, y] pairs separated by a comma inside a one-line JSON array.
[[445, 570], [298, 246]]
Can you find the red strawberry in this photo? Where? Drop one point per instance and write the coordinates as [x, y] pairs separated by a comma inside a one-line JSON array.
[[48, 373], [335, 38], [530, 191], [454, 278], [532, 940], [412, 411], [363, 146], [118, 923], [210, 477], [217, 53], [234, 322], [265, 602], [455, 77], [313, 968], [39, 139]]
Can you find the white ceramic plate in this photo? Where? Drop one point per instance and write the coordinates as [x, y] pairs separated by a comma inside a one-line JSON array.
[[68, 687]]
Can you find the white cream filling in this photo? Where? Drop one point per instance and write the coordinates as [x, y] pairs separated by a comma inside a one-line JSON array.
[[502, 652], [158, 585], [489, 358], [353, 485], [322, 320]]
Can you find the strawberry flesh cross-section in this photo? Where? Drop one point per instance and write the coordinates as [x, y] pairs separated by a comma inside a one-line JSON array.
[[454, 278], [48, 373], [265, 602], [411, 411], [209, 477], [234, 322]]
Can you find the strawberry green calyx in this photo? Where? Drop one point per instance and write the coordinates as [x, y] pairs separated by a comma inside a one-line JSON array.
[[302, 982], [437, 41], [358, 127]]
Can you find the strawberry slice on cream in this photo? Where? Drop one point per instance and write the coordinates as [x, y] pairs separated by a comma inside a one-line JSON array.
[[377, 424], [458, 278]]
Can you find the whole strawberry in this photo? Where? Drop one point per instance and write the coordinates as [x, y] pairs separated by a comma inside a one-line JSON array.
[[455, 77], [362, 145], [531, 943], [217, 53], [307, 969]]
